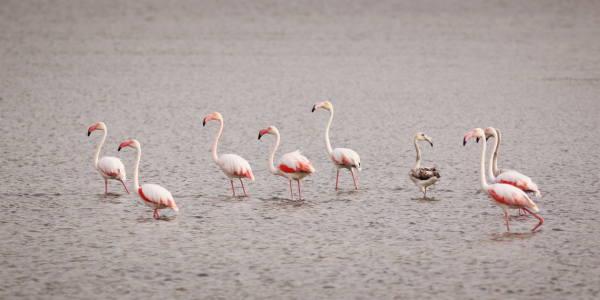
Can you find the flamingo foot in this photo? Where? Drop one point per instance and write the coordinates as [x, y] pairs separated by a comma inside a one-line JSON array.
[[539, 218], [156, 216]]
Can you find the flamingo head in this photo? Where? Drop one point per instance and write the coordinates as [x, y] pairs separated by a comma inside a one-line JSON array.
[[490, 131], [477, 132], [213, 116], [326, 105], [131, 143], [270, 130], [423, 137], [99, 126]]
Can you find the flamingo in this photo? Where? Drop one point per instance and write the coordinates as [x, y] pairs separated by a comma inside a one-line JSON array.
[[508, 176], [423, 177], [495, 160], [234, 166], [341, 157], [293, 165], [504, 195], [108, 166], [155, 196]]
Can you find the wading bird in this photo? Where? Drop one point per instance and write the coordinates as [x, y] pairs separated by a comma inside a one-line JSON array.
[[108, 166], [423, 177]]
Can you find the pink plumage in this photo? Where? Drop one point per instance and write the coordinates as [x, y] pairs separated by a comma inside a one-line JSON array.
[[108, 166], [234, 166]]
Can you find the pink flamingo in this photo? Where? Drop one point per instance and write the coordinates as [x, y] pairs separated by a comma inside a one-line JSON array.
[[155, 196], [108, 166], [293, 165], [341, 157], [423, 177], [234, 166], [506, 196]]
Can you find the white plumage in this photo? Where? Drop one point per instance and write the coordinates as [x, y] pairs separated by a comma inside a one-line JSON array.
[[108, 166]]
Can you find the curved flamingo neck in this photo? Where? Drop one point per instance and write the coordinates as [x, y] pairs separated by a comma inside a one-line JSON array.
[[214, 148], [484, 184], [495, 161], [135, 172], [271, 165], [418, 162], [327, 132], [491, 173], [97, 154]]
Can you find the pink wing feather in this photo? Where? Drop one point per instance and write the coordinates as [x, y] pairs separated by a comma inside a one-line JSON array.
[[345, 156], [112, 168], [158, 196], [510, 195], [235, 165], [518, 180], [294, 162]]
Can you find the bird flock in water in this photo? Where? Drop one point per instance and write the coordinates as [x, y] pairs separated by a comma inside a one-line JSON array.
[[508, 189]]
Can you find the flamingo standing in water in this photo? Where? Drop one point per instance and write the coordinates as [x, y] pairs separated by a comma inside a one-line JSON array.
[[293, 165], [155, 196], [108, 166], [506, 196], [423, 177], [507, 176], [495, 160], [341, 157], [234, 166]]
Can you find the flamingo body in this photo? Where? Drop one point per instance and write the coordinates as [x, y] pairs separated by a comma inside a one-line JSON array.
[[293, 165], [342, 157], [108, 166], [233, 165], [504, 195], [155, 196]]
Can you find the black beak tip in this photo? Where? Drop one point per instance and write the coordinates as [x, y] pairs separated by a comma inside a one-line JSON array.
[[313, 110], [119, 148], [477, 140], [89, 133], [259, 135], [464, 142], [487, 138], [203, 123]]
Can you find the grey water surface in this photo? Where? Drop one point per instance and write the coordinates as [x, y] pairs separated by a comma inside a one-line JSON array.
[[152, 70]]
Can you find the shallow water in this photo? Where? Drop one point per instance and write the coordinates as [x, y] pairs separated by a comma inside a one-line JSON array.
[[152, 71]]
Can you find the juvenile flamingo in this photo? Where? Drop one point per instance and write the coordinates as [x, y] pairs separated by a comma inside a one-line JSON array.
[[108, 166], [423, 177], [504, 195], [341, 157], [234, 166], [507, 176], [155, 196], [293, 165]]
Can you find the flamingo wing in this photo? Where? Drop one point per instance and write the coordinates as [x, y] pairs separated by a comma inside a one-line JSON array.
[[294, 162], [512, 196], [345, 156], [157, 195], [112, 167], [233, 164], [424, 173], [518, 180]]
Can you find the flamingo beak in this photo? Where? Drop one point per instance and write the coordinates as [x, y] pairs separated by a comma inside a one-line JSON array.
[[208, 118], [477, 140], [89, 132], [314, 107], [468, 136]]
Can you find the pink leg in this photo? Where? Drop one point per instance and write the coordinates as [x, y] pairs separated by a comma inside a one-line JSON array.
[[336, 179], [352, 171], [291, 191], [243, 188], [106, 186], [156, 216], [299, 192], [232, 187], [123, 182], [539, 218], [506, 215]]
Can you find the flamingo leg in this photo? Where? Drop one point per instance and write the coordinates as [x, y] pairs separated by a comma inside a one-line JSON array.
[[106, 186], [299, 192], [243, 188], [156, 216], [539, 218], [506, 215], [352, 171], [291, 191], [336, 179], [123, 182], [233, 188]]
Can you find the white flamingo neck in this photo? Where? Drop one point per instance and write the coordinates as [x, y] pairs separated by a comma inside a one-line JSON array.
[[491, 173], [418, 162], [136, 185], [214, 148], [97, 154], [271, 165], [495, 161], [484, 184], [327, 132]]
